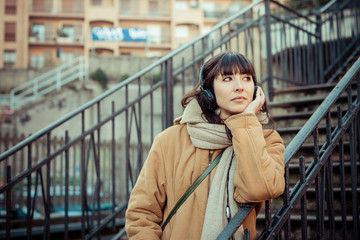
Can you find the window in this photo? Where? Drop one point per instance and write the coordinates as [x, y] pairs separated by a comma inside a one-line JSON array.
[[69, 31], [9, 59], [40, 6], [38, 31], [209, 9], [96, 2], [37, 61], [66, 57], [154, 33], [125, 6], [10, 32], [67, 6], [10, 7], [181, 6], [153, 8], [182, 32], [194, 4]]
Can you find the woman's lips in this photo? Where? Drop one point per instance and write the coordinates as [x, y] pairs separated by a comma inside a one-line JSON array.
[[238, 99]]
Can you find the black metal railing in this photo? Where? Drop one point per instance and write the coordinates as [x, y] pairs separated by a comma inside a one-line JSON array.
[[93, 182], [320, 169], [319, 173]]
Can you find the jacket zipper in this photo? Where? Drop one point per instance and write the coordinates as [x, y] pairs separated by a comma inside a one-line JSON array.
[[211, 153]]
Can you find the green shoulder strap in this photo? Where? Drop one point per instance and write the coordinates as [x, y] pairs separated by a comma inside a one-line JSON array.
[[191, 189]]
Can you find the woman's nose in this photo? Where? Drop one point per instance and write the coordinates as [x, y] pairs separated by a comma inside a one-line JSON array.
[[238, 85]]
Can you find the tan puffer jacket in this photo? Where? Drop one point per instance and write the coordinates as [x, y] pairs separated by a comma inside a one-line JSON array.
[[174, 163]]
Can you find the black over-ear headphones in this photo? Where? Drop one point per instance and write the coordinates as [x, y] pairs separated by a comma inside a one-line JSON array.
[[206, 94]]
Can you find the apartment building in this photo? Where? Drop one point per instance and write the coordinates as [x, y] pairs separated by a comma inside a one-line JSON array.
[[44, 33]]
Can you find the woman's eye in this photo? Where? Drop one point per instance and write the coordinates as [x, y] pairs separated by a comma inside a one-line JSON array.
[[227, 79], [247, 78]]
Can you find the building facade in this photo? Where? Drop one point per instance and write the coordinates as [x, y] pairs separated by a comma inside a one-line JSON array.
[[37, 34]]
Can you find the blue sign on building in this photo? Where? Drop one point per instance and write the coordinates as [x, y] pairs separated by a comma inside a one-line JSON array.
[[119, 34]]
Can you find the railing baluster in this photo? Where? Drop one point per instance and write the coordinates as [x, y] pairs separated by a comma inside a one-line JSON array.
[[163, 98], [97, 168], [229, 33], [268, 215], [194, 72], [260, 44], [357, 143], [83, 178], [319, 189], [353, 163], [352, 139], [246, 42], [329, 175], [349, 98], [48, 196], [66, 217], [152, 104], [28, 200], [296, 56], [139, 129], [113, 165], [237, 43], [342, 174], [8, 203], [303, 199], [269, 74], [287, 200]]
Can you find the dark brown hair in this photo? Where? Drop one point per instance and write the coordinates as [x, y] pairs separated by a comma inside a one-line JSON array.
[[227, 63]]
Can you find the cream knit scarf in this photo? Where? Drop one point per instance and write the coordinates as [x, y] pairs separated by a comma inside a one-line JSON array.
[[213, 136]]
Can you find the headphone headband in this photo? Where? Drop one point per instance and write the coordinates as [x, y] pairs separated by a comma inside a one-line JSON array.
[[201, 75]]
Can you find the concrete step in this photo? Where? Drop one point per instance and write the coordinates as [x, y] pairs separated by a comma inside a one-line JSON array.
[[304, 92], [300, 118], [308, 104], [288, 133], [289, 94], [294, 173]]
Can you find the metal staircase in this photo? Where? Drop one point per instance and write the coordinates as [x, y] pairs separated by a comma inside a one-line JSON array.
[[100, 152], [53, 80]]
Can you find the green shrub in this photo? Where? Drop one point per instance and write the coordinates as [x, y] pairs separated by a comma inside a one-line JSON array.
[[100, 76], [124, 76], [157, 78]]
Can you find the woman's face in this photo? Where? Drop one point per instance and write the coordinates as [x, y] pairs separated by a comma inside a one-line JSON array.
[[233, 93]]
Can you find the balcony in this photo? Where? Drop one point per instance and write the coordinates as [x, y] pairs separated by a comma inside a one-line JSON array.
[[155, 10], [71, 36], [63, 9]]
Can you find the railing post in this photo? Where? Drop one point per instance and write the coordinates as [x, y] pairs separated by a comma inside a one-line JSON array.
[[81, 65], [58, 79], [169, 101], [319, 47], [268, 51], [36, 89], [8, 203], [12, 101]]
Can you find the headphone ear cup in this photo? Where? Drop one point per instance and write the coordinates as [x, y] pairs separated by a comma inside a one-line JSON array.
[[209, 99]]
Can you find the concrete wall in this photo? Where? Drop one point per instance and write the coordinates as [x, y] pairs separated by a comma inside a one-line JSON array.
[[38, 115], [114, 66], [117, 66], [12, 78]]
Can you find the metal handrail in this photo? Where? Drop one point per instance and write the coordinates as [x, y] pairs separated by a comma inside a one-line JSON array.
[[88, 143], [123, 83], [292, 198], [50, 79], [320, 112]]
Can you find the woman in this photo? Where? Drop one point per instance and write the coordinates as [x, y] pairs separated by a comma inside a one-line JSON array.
[[224, 113]]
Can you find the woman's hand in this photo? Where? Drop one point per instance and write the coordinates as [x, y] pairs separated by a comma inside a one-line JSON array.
[[257, 103]]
